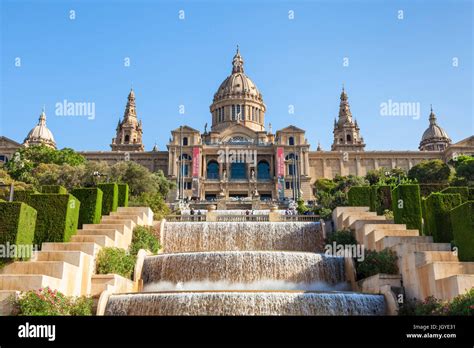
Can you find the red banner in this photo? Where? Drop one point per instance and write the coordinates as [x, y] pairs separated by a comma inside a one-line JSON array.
[[280, 160], [196, 162]]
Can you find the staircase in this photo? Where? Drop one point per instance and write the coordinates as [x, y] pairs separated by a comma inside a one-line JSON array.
[[427, 268], [69, 267]]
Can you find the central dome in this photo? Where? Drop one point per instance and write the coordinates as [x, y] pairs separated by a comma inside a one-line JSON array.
[[238, 100], [238, 84]]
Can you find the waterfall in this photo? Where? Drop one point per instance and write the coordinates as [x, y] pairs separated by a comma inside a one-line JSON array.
[[222, 236], [246, 303]]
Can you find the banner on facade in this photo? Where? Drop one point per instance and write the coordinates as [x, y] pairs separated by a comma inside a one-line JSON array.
[[196, 162], [280, 162]]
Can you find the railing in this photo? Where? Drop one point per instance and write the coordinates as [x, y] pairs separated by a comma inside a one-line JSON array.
[[242, 218], [303, 218], [185, 218]]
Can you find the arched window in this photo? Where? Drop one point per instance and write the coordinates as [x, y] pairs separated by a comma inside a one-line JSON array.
[[291, 158], [127, 138], [349, 137], [263, 170], [291, 141], [185, 169], [185, 141], [212, 170], [238, 171], [185, 156], [233, 112]]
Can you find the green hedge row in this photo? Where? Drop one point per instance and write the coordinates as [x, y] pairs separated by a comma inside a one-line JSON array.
[[359, 196], [122, 195], [462, 220], [438, 220], [22, 196], [380, 198], [57, 218], [53, 189], [427, 189], [406, 205], [471, 194], [90, 211], [462, 190], [110, 197], [17, 224]]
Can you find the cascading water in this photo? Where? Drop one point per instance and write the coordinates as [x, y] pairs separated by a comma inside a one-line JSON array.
[[244, 268], [224, 236]]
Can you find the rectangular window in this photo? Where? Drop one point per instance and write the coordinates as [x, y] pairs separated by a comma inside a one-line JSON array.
[[233, 112], [238, 112]]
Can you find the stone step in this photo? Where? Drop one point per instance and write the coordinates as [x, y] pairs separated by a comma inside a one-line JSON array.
[[148, 220], [373, 237], [424, 257], [444, 269], [90, 248], [119, 227], [27, 282], [56, 269], [101, 240], [118, 220], [362, 230], [337, 214], [389, 241], [111, 233], [72, 257], [137, 217], [452, 286], [356, 223]]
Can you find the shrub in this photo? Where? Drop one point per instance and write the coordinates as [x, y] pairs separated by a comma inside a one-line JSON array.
[[53, 189], [406, 205], [462, 222], [155, 201], [301, 207], [109, 198], [438, 221], [17, 225], [115, 260], [91, 205], [57, 217], [341, 237], [375, 262], [383, 199], [471, 194], [143, 238], [122, 195], [461, 190], [427, 189], [430, 171], [359, 196], [373, 198], [51, 302], [23, 195], [462, 304]]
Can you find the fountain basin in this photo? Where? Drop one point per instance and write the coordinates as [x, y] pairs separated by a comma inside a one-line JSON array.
[[243, 267], [220, 236], [246, 303]]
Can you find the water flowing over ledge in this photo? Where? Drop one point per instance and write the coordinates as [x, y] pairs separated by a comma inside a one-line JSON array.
[[244, 267], [246, 303], [221, 236]]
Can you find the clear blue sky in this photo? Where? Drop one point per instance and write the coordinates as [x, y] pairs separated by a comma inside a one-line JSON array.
[[182, 62]]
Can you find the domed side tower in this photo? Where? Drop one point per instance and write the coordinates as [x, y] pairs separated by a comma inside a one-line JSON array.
[[434, 138], [238, 101], [40, 134], [129, 130]]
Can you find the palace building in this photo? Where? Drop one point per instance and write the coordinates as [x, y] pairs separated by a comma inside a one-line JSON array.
[[239, 157]]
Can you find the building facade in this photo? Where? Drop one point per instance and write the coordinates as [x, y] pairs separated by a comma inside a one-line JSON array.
[[239, 157]]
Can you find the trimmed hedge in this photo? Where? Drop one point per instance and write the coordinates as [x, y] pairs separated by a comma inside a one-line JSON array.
[[427, 189], [58, 215], [53, 189], [423, 214], [109, 198], [471, 194], [359, 196], [91, 204], [23, 195], [462, 221], [438, 221], [380, 198], [406, 205], [122, 195], [17, 224], [462, 190]]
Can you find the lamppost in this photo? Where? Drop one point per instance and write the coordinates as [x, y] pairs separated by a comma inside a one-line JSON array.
[[2, 184]]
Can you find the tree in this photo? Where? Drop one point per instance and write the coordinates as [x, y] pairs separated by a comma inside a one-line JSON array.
[[464, 166], [385, 176], [430, 172]]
